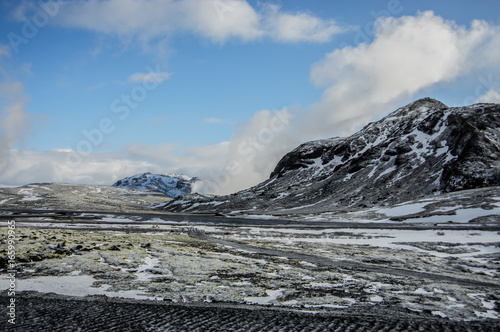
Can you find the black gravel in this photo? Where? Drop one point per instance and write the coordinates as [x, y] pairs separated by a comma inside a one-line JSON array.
[[59, 313]]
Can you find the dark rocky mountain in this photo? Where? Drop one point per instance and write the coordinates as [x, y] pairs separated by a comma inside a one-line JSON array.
[[172, 185], [419, 150]]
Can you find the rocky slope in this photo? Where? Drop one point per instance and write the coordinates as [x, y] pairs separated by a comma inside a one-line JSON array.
[[172, 185], [422, 149]]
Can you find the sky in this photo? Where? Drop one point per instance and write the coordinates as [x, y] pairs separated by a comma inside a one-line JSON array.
[[93, 91]]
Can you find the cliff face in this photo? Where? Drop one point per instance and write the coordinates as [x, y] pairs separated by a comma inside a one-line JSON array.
[[422, 149]]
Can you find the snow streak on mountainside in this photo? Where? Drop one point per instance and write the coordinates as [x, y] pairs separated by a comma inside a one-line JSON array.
[[422, 149], [172, 185]]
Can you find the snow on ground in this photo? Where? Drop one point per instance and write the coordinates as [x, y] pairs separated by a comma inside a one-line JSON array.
[[403, 209], [5, 200], [29, 194], [459, 214], [75, 285], [272, 295], [72, 285]]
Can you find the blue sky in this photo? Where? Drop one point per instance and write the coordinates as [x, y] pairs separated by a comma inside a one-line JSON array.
[[205, 80]]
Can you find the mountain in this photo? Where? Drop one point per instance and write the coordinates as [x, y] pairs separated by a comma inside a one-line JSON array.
[[172, 185], [422, 149]]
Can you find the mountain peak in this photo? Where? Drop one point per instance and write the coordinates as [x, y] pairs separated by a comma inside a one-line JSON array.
[[428, 102], [419, 106], [172, 185]]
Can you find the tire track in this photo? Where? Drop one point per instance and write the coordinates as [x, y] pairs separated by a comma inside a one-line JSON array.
[[44, 313]]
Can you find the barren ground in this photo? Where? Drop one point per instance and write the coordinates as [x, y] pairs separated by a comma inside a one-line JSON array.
[[422, 272]]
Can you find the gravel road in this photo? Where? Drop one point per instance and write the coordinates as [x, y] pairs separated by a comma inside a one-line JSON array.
[[86, 217]]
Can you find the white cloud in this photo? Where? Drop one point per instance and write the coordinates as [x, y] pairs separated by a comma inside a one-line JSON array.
[[407, 55], [299, 27], [254, 150], [220, 20], [491, 96], [14, 120], [217, 20]]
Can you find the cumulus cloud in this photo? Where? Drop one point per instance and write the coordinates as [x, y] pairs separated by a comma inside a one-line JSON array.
[[491, 96], [217, 20], [299, 27], [254, 150], [407, 55]]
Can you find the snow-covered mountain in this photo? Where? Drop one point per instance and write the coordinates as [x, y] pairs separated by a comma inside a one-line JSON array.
[[172, 185], [419, 150]]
